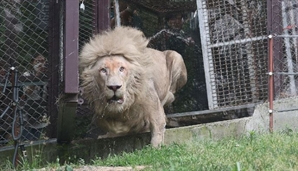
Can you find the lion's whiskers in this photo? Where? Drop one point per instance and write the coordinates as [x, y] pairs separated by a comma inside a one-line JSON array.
[[96, 85], [104, 110], [100, 95], [100, 98]]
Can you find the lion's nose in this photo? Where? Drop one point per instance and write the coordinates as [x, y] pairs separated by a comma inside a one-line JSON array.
[[114, 87]]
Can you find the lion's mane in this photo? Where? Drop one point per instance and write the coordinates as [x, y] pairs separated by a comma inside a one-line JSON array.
[[127, 42]]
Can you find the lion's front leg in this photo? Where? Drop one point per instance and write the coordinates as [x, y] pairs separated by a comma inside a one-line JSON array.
[[157, 127]]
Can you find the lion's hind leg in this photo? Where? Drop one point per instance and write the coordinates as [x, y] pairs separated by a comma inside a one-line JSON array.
[[168, 99], [177, 68]]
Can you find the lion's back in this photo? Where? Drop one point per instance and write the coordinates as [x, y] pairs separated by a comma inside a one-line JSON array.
[[168, 72]]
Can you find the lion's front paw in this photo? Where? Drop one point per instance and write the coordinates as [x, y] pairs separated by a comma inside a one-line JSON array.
[[157, 141]]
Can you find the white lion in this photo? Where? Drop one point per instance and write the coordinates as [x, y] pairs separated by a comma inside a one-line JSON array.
[[128, 84]]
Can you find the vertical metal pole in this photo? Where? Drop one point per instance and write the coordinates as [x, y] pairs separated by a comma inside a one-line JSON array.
[[293, 19], [71, 46], [117, 13], [207, 54], [68, 102], [271, 82], [288, 50], [102, 15], [53, 67]]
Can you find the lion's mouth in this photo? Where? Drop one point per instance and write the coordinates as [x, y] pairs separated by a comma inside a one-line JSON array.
[[115, 99]]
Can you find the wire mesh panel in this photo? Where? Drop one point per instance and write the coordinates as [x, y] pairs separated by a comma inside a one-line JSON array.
[[87, 21], [284, 29], [234, 46], [23, 68]]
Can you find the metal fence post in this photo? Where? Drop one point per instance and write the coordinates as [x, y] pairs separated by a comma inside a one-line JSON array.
[[68, 103], [102, 15], [53, 66], [271, 82]]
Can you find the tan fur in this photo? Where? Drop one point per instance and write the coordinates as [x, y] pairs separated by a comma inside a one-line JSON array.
[[127, 83]]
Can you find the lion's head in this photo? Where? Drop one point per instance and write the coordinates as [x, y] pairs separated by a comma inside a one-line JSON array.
[[112, 69]]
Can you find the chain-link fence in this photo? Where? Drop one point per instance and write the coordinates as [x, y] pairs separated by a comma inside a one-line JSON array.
[[283, 27], [23, 70]]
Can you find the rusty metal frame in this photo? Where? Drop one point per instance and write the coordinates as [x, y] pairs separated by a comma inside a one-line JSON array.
[[270, 82]]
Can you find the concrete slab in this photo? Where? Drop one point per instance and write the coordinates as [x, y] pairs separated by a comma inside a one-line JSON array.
[[285, 116], [216, 130]]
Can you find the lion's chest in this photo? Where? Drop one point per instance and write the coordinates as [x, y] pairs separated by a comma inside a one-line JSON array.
[[128, 122]]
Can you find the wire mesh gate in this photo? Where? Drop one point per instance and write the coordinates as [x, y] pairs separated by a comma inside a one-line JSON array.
[[234, 43]]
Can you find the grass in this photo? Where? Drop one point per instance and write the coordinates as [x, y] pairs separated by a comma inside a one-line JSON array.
[[272, 152], [254, 152]]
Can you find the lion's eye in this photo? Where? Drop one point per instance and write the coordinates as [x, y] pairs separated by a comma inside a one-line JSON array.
[[121, 69], [103, 70]]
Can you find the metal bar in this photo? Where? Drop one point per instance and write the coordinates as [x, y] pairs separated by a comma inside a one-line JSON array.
[[288, 110], [117, 12], [287, 36], [207, 54], [24, 84], [103, 15], [71, 46], [68, 101], [53, 66], [288, 51], [271, 82], [203, 112], [16, 128], [242, 41], [292, 18], [286, 73]]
